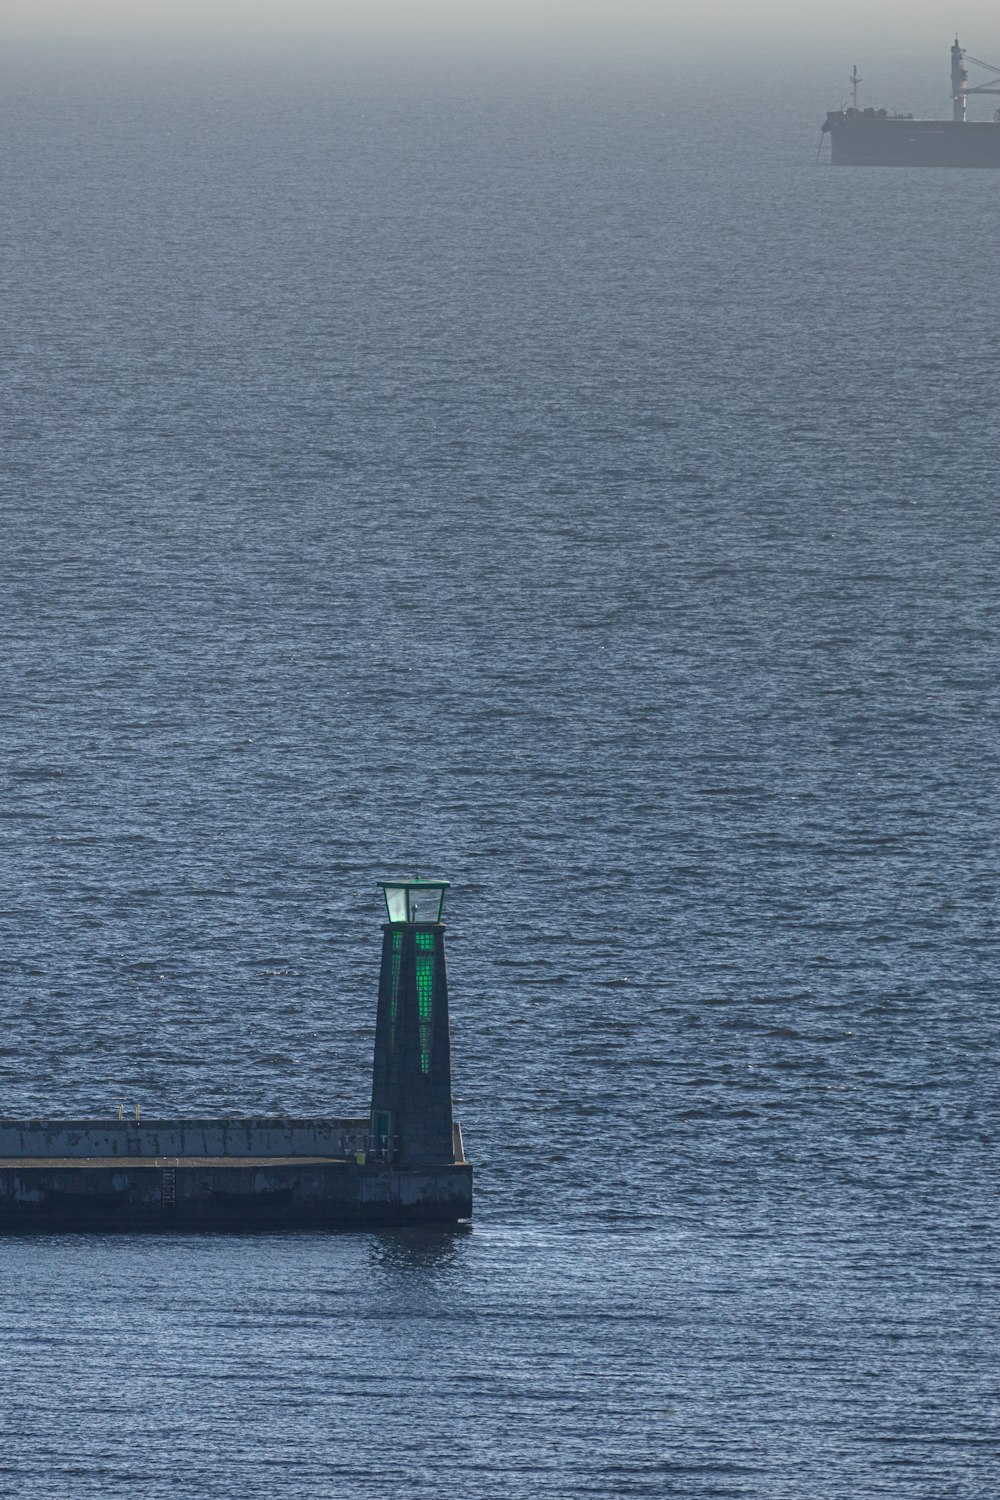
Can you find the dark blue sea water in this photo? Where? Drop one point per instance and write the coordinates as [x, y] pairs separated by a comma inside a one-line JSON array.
[[533, 474]]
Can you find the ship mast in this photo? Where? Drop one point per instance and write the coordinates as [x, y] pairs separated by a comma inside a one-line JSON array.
[[960, 89], [959, 79], [854, 80]]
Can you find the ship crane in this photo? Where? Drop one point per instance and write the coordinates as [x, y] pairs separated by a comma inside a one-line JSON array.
[[960, 89]]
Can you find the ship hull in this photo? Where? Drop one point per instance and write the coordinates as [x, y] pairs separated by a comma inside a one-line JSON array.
[[912, 143]]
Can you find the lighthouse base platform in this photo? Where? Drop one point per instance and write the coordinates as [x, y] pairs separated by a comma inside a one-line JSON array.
[[86, 1175]]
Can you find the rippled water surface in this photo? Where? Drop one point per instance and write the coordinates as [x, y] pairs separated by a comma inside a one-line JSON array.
[[518, 474]]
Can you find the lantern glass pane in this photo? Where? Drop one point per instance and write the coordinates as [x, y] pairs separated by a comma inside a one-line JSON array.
[[395, 902], [425, 904]]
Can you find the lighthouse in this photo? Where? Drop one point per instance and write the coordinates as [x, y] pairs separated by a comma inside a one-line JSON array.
[[412, 1124], [402, 1163]]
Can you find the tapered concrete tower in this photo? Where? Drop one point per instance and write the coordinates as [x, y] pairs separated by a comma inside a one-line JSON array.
[[411, 1081]]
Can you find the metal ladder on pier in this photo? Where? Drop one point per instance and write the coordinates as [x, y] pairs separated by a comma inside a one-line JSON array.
[[168, 1189]]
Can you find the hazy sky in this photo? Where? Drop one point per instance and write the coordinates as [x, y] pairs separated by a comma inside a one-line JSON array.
[[907, 26]]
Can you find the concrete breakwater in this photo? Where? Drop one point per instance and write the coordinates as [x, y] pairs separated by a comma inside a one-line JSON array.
[[403, 1163], [162, 1193]]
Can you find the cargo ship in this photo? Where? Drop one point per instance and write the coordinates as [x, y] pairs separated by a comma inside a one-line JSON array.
[[879, 138]]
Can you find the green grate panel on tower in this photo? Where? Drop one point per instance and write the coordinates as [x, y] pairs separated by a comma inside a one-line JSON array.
[[397, 954], [425, 994]]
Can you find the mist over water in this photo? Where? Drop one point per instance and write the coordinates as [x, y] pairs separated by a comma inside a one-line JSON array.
[[526, 475], [705, 41]]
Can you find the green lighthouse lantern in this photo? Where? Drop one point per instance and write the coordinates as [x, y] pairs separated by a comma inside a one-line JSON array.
[[414, 900]]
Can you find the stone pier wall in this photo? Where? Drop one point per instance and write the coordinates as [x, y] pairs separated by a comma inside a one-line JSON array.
[[245, 1195]]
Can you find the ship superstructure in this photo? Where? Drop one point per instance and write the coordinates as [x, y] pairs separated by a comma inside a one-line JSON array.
[[877, 138]]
